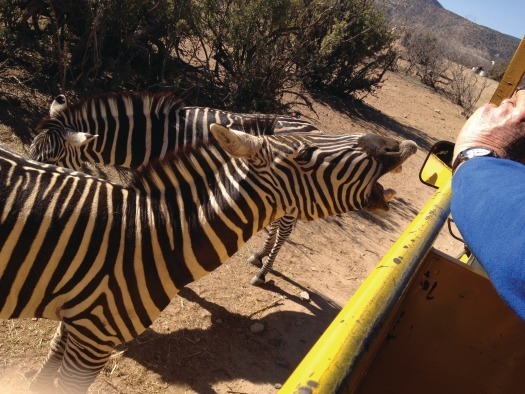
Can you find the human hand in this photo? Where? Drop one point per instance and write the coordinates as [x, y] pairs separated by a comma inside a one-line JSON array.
[[499, 128]]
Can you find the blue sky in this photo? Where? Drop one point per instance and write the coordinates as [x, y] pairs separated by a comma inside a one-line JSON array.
[[505, 16]]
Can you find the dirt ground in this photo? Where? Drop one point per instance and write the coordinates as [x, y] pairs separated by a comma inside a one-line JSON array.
[[202, 343]]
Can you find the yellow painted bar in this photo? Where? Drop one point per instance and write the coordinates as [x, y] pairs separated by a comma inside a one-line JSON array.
[[341, 355], [513, 75], [338, 357]]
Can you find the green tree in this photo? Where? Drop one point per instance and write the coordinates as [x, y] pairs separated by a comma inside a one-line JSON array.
[[245, 47], [346, 47], [236, 54]]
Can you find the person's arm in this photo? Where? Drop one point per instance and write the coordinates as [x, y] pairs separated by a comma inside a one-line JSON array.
[[488, 194], [488, 206]]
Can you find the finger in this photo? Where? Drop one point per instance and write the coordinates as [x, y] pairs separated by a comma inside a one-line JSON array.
[[520, 98]]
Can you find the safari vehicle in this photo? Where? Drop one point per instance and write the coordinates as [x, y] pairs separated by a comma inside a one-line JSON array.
[[423, 321]]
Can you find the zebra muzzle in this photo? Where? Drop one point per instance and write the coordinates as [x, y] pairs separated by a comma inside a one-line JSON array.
[[379, 198]]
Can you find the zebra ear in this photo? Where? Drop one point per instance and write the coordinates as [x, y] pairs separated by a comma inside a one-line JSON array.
[[58, 104], [78, 139], [236, 143]]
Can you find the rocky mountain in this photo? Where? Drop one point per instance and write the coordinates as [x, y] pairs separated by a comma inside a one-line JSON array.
[[477, 40]]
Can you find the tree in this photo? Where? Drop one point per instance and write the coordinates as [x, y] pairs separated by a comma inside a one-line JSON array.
[[498, 70], [244, 49], [234, 54], [426, 56], [346, 47], [465, 87]]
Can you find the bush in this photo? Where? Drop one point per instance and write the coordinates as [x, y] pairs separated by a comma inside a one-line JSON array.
[[230, 53], [89, 41], [346, 47], [426, 56], [465, 87], [244, 49], [438, 65]]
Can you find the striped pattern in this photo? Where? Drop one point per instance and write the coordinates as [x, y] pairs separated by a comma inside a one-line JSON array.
[[132, 129], [278, 233], [105, 259]]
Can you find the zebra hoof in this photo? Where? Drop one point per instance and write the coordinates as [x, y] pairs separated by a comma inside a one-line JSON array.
[[256, 281], [255, 260]]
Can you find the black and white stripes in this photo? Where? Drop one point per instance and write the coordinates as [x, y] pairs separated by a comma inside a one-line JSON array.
[[128, 130], [105, 259]]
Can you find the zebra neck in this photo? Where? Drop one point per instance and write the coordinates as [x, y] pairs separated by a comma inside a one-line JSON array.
[[206, 226]]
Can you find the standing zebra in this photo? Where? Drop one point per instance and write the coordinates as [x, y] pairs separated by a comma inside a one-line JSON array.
[[106, 259], [128, 130]]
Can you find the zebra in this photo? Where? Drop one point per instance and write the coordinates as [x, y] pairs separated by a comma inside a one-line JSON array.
[[105, 259], [128, 130]]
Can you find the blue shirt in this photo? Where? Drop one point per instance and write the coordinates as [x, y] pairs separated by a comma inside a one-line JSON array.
[[488, 206]]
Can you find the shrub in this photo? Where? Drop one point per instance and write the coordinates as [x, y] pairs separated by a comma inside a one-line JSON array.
[[426, 56], [346, 46], [498, 70], [230, 53], [465, 87], [438, 65], [244, 49], [86, 41]]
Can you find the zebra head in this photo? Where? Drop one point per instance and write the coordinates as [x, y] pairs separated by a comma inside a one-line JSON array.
[[56, 139], [316, 176]]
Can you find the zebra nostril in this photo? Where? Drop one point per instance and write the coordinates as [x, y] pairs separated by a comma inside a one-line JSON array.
[[409, 146]]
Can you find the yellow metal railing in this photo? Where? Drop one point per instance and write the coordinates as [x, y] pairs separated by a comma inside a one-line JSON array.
[[338, 352], [512, 77], [339, 358]]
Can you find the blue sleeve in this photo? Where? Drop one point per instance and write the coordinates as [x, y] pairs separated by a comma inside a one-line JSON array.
[[488, 206]]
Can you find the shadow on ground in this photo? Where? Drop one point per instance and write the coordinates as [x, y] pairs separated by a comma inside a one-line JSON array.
[[368, 116], [387, 221], [228, 350], [20, 114]]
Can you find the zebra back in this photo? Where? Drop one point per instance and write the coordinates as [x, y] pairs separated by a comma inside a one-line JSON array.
[[130, 129]]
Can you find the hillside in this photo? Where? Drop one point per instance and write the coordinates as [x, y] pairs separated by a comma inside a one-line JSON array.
[[479, 41]]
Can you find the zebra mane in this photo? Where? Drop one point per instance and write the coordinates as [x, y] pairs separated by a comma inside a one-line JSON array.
[[187, 157], [183, 159], [260, 125], [160, 101]]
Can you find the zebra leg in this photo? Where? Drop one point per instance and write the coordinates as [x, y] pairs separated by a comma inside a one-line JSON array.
[[44, 380], [81, 364], [285, 227], [256, 258]]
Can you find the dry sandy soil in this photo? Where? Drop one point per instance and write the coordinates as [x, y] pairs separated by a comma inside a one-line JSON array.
[[202, 342]]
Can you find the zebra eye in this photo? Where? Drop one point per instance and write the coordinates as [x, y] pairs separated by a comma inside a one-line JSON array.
[[305, 155]]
